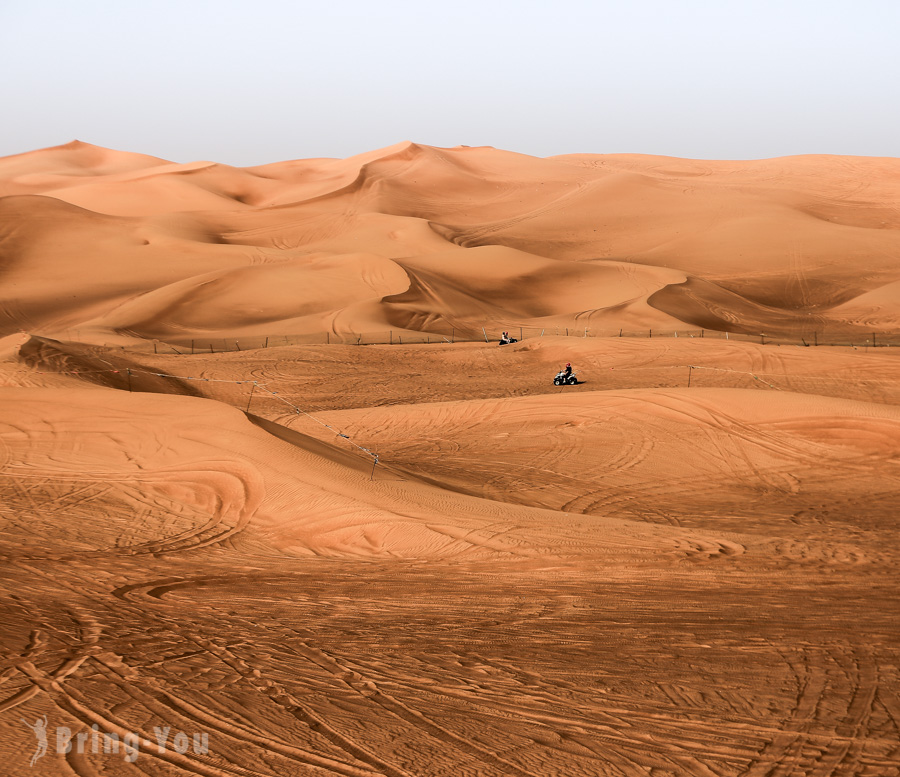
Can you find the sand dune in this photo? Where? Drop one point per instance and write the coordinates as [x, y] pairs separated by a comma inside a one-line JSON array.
[[70, 164], [785, 246], [64, 265], [183, 474], [413, 560], [757, 461], [627, 575]]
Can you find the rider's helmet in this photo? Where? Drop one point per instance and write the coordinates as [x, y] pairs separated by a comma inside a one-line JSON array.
[[568, 364]]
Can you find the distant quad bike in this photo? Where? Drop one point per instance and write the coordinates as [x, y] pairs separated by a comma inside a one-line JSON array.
[[507, 340], [562, 380]]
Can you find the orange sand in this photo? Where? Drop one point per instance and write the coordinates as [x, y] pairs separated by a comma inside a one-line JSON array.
[[420, 238], [685, 565]]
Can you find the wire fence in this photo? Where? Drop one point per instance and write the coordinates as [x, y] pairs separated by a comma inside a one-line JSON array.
[[270, 397], [198, 345]]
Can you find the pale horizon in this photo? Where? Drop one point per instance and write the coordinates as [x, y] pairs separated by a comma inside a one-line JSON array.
[[249, 85]]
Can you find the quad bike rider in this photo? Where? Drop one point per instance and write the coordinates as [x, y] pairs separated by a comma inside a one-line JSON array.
[[565, 377], [505, 339]]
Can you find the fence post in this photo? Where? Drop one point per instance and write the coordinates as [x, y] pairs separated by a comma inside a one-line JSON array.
[[651, 333], [154, 346], [210, 348], [520, 334], [620, 333], [252, 386], [690, 372], [453, 335], [391, 333], [192, 346], [485, 334], [267, 342]]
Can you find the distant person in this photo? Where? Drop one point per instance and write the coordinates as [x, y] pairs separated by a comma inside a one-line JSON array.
[[568, 369]]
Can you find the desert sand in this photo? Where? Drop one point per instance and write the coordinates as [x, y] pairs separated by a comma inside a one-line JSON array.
[[224, 518]]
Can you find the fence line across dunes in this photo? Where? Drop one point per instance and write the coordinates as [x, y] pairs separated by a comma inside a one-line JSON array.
[[255, 390], [199, 345]]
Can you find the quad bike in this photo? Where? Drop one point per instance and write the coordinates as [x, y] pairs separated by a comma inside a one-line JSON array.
[[562, 379], [507, 340]]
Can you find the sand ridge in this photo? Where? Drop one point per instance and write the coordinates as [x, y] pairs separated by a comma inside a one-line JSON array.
[[769, 245]]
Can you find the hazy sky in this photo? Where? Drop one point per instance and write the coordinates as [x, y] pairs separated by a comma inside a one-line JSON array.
[[255, 81]]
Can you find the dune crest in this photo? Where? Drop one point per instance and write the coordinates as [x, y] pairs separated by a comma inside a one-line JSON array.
[[786, 246]]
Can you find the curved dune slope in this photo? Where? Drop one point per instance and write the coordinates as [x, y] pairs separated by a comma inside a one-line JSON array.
[[129, 474], [725, 459], [113, 245]]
